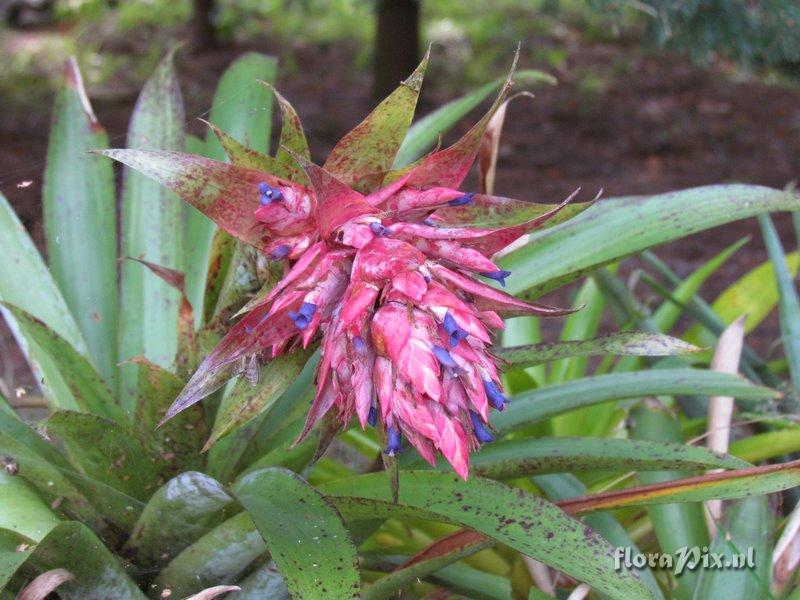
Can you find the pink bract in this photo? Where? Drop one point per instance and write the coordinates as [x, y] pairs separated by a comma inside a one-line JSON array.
[[382, 267]]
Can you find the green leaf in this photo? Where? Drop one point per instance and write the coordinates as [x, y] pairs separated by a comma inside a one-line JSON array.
[[438, 555], [592, 238], [107, 452], [518, 519], [668, 313], [220, 556], [179, 440], [25, 281], [179, 513], [87, 387], [746, 532], [755, 294], [676, 525], [72, 546], [152, 230], [243, 109], [545, 402], [293, 138], [580, 325], [763, 446], [623, 344], [518, 458], [246, 402], [264, 582], [423, 134], [22, 510], [305, 535], [561, 487], [34, 461], [80, 221], [789, 303], [363, 156]]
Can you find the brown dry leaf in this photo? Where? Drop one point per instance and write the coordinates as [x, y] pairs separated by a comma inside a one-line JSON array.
[[213, 592], [44, 584], [490, 144]]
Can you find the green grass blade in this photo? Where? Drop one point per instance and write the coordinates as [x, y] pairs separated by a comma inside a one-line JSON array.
[[676, 525], [668, 313], [423, 134], [152, 231], [304, 533], [580, 325], [242, 108], [753, 366], [747, 531], [789, 303], [592, 238], [548, 401], [80, 221]]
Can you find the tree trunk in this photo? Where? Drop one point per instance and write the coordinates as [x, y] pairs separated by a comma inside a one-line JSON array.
[[396, 44], [203, 33]]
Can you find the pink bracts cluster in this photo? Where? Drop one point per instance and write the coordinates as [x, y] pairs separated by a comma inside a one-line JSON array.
[[381, 265]]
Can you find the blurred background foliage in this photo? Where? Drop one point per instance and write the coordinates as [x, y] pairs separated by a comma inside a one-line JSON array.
[[118, 43]]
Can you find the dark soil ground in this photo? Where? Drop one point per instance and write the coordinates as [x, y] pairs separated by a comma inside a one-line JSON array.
[[640, 123]]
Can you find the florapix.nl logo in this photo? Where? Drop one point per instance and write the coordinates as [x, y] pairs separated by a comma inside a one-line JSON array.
[[686, 558]]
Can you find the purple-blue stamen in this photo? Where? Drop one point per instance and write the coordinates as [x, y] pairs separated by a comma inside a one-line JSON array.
[[269, 194], [481, 433], [394, 443], [498, 276], [372, 416], [453, 330], [360, 345], [248, 329], [462, 200], [303, 317], [378, 229], [443, 356], [429, 222], [495, 394], [280, 252]]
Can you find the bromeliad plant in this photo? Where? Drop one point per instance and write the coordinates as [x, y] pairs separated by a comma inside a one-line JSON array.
[[370, 274]]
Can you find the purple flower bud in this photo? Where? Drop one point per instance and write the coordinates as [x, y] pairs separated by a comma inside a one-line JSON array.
[[461, 200], [498, 276], [269, 194], [394, 443], [360, 345], [378, 229], [481, 432], [372, 416], [443, 356], [303, 317], [280, 252], [454, 331], [495, 394]]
